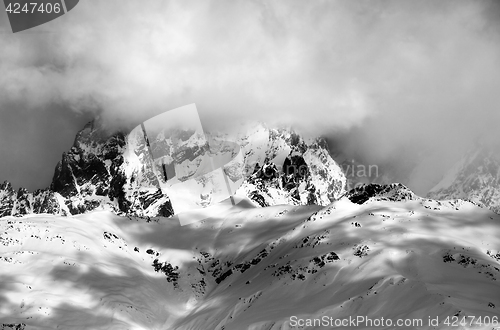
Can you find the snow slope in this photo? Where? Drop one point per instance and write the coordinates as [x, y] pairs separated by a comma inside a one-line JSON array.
[[253, 268]]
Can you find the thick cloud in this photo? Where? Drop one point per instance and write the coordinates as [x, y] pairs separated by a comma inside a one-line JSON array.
[[391, 75]]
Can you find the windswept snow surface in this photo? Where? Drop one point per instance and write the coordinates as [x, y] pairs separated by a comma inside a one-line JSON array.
[[253, 268]]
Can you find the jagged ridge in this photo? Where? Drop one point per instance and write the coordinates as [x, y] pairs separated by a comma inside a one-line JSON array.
[[378, 192], [103, 171], [476, 177]]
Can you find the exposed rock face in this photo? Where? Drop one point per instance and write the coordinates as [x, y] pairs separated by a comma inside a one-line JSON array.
[[111, 172], [294, 171], [93, 174], [7, 198], [21, 202], [12, 326], [476, 177], [377, 192]]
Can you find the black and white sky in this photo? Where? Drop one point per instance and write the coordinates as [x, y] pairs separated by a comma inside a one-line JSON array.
[[383, 80]]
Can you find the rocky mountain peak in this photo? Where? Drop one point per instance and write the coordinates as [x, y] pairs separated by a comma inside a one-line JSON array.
[[475, 177], [108, 171], [380, 192]]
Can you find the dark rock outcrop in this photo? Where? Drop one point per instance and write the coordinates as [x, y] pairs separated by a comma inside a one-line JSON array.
[[22, 202], [377, 192]]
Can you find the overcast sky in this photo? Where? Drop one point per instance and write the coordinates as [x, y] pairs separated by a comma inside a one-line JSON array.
[[389, 79]]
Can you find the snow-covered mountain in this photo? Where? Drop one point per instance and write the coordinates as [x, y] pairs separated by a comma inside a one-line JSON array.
[[475, 177], [110, 172], [103, 249], [379, 255], [22, 202], [289, 170]]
